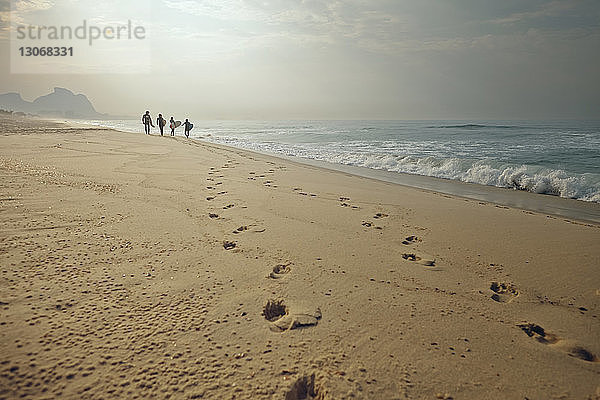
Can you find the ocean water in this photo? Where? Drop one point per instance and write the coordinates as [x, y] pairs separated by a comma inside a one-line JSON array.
[[559, 158]]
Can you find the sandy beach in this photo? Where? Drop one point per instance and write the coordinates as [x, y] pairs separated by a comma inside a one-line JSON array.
[[137, 266]]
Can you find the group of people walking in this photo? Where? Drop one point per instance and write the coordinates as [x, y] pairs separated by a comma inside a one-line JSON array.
[[161, 122]]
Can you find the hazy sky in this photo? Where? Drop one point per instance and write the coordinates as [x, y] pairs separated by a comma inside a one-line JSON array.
[[313, 59]]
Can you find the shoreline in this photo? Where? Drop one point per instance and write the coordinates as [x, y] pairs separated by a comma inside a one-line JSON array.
[[579, 210], [140, 267]]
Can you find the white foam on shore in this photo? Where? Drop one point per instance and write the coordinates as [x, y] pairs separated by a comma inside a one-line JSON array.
[[585, 187]]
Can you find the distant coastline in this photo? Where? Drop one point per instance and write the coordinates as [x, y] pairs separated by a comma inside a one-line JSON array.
[[61, 103]]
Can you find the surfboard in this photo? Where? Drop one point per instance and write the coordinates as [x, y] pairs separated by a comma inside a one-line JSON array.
[[177, 124], [163, 122], [191, 126]]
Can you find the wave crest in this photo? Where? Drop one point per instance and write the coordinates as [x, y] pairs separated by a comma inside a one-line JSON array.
[[519, 177], [533, 179], [474, 126]]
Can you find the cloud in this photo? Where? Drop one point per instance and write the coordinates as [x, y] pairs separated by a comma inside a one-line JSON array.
[[231, 10], [27, 6], [552, 9], [13, 11], [4, 14], [382, 27], [306, 22]]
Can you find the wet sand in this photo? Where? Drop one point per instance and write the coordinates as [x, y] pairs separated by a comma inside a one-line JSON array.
[[138, 266]]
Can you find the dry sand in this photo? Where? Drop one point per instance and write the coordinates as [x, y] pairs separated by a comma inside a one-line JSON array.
[[138, 266]]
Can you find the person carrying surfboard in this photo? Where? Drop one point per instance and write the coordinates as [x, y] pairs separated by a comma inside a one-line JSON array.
[[172, 126], [188, 127], [147, 121], [161, 122]]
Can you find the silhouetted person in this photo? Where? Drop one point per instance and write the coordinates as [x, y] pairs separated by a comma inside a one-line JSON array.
[[147, 121], [160, 121], [172, 126], [188, 127]]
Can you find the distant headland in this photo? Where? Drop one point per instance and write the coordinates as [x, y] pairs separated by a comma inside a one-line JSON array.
[[61, 103]]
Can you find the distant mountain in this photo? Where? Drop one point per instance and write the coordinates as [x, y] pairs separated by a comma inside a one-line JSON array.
[[14, 102], [60, 103]]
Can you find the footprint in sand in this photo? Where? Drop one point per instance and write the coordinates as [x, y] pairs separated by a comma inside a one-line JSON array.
[[538, 333], [567, 346], [410, 240], [213, 216], [274, 310], [300, 192], [380, 215], [503, 292], [227, 245], [279, 271], [240, 229], [343, 203], [426, 261], [228, 206], [282, 319], [303, 388]]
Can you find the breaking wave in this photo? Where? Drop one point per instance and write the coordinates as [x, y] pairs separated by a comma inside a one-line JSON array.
[[475, 126], [533, 179]]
